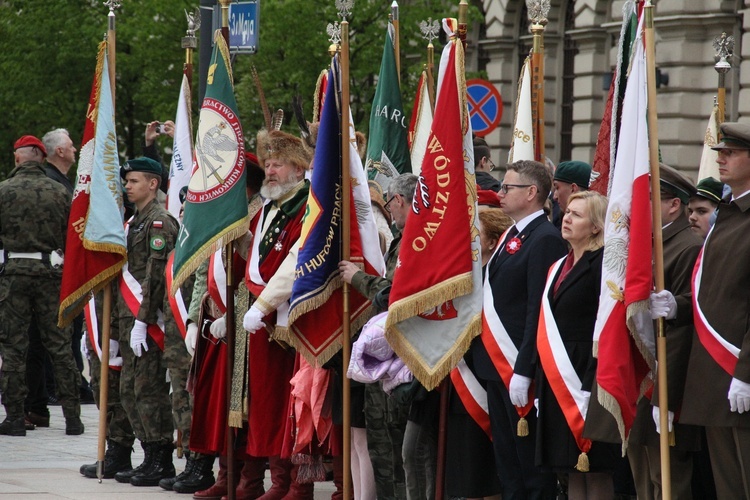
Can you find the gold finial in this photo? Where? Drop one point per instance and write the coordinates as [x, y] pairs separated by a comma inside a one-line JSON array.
[[538, 10]]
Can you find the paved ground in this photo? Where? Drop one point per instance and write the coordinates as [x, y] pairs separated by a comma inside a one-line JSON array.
[[45, 463]]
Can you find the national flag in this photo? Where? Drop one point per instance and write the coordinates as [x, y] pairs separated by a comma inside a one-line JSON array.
[[708, 166], [316, 304], [182, 150], [420, 125], [216, 203], [95, 247], [623, 336], [387, 147], [522, 144], [435, 303]]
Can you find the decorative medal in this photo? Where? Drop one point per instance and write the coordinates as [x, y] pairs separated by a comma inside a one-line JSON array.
[[513, 246]]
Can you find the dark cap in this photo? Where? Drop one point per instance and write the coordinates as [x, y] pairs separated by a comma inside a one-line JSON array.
[[675, 183], [142, 164], [488, 197], [734, 135], [574, 172], [711, 189], [30, 141]]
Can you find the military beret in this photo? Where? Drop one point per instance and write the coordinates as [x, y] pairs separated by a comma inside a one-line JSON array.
[[488, 197], [142, 164], [574, 172], [711, 189], [675, 183], [30, 141], [734, 135]]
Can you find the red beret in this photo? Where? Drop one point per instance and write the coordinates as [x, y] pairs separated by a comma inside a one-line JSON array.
[[29, 141], [488, 197]]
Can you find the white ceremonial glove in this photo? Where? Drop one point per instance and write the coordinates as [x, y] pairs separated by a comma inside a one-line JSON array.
[[138, 337], [519, 390], [253, 320], [739, 396], [586, 400], [191, 337], [114, 348], [536, 405], [663, 305], [656, 413], [219, 328]]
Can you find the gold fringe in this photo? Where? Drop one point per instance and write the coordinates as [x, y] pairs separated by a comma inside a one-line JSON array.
[[224, 51], [429, 298], [316, 97], [235, 419], [100, 55], [634, 309], [583, 462], [522, 429], [595, 349], [66, 315], [610, 404], [318, 296], [104, 247]]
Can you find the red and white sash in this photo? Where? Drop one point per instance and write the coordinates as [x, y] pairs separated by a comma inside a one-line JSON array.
[[92, 327], [217, 280], [176, 303], [723, 352], [132, 293], [472, 395], [560, 373]]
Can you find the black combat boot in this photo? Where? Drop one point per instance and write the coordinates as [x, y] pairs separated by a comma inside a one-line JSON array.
[[161, 467], [73, 426], [200, 477], [13, 426], [148, 457], [168, 482], [116, 459]]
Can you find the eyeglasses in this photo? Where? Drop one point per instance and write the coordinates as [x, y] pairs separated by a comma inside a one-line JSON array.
[[492, 164], [389, 202], [506, 187]]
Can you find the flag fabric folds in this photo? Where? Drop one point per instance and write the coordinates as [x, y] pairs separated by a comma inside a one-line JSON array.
[[522, 145], [95, 246], [182, 150], [216, 203], [708, 166], [421, 123], [623, 337], [316, 305], [435, 302]]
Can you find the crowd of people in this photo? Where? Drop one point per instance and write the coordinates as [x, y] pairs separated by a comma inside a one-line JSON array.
[[544, 432]]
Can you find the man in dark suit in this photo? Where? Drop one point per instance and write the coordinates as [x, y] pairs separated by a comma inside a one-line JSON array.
[[516, 275]]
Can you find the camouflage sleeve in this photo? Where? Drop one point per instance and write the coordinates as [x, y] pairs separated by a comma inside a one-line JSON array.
[[199, 290], [369, 285], [161, 241]]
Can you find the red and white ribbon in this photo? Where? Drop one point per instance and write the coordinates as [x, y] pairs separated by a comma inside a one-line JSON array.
[[472, 395]]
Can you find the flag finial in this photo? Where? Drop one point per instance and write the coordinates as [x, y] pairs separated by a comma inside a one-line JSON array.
[[113, 4], [344, 7], [538, 10], [194, 24], [430, 29]]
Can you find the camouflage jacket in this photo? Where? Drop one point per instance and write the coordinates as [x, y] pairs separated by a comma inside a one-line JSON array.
[[369, 285], [34, 213]]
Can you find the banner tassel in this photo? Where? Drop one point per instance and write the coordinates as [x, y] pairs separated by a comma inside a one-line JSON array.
[[522, 430], [583, 462]]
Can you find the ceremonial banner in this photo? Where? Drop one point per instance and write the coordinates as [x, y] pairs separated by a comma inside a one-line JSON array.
[[387, 147], [316, 306], [436, 299], [623, 336], [216, 203], [522, 143], [708, 166], [95, 246], [182, 150], [421, 123]]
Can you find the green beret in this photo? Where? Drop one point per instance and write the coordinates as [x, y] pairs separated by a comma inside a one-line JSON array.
[[675, 183], [711, 189], [141, 164], [574, 172], [734, 135]]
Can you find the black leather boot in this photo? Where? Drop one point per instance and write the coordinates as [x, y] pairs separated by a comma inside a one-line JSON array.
[[13, 427], [160, 468], [116, 459], [148, 457], [201, 475], [168, 482]]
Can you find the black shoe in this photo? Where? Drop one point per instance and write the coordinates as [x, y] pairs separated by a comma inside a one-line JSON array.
[[73, 426], [200, 476], [16, 427], [28, 424], [168, 482], [116, 459], [126, 475], [52, 401], [161, 466], [38, 419], [86, 396]]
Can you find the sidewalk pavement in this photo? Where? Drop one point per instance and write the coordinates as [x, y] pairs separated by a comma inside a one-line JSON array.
[[45, 465]]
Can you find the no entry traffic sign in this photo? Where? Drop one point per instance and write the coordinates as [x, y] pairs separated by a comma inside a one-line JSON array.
[[485, 106]]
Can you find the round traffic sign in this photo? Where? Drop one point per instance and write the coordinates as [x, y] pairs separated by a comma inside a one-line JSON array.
[[485, 106]]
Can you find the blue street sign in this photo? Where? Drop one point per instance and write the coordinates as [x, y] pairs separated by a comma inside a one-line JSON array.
[[485, 106], [243, 26]]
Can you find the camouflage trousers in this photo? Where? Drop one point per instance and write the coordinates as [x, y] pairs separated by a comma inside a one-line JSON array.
[[119, 429], [144, 390], [385, 423], [21, 298], [177, 359]]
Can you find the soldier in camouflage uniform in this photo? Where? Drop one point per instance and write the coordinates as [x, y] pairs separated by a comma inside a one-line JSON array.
[[34, 213], [385, 419], [144, 390]]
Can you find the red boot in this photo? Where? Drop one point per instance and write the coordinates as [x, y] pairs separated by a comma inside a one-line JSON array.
[[251, 479], [338, 478], [219, 489], [281, 477], [299, 491]]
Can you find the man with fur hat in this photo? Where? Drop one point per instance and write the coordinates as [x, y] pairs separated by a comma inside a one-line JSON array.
[[34, 213]]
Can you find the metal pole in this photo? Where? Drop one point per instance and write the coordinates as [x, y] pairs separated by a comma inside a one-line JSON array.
[[724, 46], [396, 37]]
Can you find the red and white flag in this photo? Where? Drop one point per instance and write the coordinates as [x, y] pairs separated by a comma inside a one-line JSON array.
[[421, 124]]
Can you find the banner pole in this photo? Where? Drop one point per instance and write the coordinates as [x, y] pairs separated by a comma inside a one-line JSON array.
[[538, 10], [724, 46], [396, 38]]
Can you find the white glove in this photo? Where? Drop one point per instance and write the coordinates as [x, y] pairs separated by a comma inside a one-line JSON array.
[[191, 337], [656, 413], [138, 337], [586, 400], [114, 349], [219, 328], [663, 305], [536, 405], [739, 396], [253, 320], [519, 390]]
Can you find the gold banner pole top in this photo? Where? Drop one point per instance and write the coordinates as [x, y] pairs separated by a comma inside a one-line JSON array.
[[463, 11], [724, 47], [430, 30], [189, 41]]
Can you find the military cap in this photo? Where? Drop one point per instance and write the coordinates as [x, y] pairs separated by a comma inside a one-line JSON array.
[[574, 172], [734, 135], [142, 164], [675, 183], [30, 141], [711, 189], [279, 145]]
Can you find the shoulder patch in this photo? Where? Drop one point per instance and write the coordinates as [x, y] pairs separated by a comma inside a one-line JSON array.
[[157, 224], [158, 242]]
